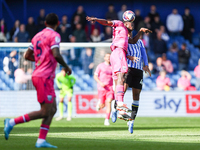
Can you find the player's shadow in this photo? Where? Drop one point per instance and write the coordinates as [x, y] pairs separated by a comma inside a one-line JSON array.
[[85, 143], [21, 130]]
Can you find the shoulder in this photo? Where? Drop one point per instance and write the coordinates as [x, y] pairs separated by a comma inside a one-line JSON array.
[[117, 23]]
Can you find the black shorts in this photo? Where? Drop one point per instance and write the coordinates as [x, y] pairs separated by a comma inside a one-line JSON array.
[[134, 78]]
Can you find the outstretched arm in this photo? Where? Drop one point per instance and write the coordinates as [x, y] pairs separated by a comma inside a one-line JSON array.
[[101, 21], [137, 36]]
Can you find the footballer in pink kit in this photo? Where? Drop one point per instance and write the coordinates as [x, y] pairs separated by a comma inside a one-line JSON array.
[[103, 76], [44, 51], [118, 56]]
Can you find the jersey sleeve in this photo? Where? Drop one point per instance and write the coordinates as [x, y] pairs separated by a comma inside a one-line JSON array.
[[117, 23], [31, 45], [144, 54], [73, 80], [97, 71], [55, 41]]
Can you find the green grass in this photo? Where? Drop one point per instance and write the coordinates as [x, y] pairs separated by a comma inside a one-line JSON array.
[[90, 134]]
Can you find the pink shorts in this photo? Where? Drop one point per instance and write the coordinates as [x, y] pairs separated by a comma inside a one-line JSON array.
[[118, 62], [104, 95], [45, 89]]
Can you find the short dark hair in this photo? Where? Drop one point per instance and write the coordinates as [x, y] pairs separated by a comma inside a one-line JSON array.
[[51, 19]]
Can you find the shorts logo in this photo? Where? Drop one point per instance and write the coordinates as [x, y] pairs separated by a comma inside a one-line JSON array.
[[124, 67], [49, 97], [141, 81]]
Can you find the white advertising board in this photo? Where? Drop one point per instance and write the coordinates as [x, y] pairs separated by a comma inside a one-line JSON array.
[[152, 104]]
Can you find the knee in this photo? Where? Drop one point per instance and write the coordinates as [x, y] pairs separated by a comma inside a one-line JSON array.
[[45, 113], [54, 109]]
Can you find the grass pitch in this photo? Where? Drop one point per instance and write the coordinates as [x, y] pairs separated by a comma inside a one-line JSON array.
[[90, 134]]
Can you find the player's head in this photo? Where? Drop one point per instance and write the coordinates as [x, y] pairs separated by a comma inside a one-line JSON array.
[[107, 58], [51, 21], [128, 25]]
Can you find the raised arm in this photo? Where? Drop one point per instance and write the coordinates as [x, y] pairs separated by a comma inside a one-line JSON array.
[[137, 36], [101, 21]]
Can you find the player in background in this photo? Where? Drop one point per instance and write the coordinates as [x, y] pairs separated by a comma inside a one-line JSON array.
[[118, 56], [103, 76], [65, 83], [44, 51], [136, 55]]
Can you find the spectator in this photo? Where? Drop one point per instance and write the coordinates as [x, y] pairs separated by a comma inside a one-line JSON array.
[[77, 19], [21, 78], [3, 27], [14, 30], [152, 13], [10, 64], [3, 31], [64, 34], [31, 28], [87, 62], [79, 33], [151, 70], [64, 22], [90, 27], [2, 37], [167, 64], [164, 35], [121, 12], [22, 35], [108, 33], [41, 20], [188, 28], [74, 54], [111, 14], [174, 48], [138, 18], [184, 80], [163, 82], [183, 57], [159, 46], [81, 13], [174, 23], [159, 66], [95, 36], [144, 23], [197, 75], [155, 26]]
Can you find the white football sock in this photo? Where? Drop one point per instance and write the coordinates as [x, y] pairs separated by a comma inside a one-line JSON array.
[[12, 122]]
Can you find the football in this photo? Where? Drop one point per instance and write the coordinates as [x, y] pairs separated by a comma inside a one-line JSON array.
[[129, 16]]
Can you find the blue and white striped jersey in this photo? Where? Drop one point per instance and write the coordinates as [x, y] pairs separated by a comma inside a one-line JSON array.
[[137, 50]]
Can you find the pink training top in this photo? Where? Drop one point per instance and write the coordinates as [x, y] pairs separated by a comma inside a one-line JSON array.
[[161, 83], [120, 35], [197, 71], [184, 82], [104, 72], [42, 44]]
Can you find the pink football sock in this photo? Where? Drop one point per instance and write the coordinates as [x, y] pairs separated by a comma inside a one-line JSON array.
[[120, 93], [107, 115], [43, 131], [22, 119]]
